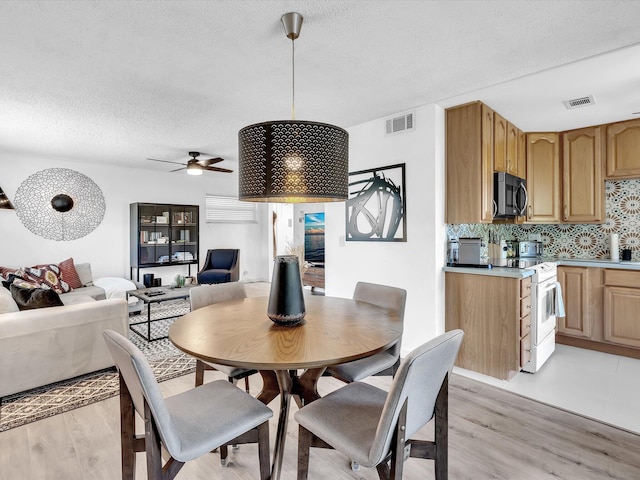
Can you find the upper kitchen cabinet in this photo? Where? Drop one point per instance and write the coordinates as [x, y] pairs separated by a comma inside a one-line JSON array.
[[505, 146], [543, 177], [583, 153], [499, 143], [623, 149], [469, 163]]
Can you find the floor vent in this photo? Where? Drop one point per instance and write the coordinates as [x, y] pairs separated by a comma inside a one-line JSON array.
[[579, 102], [400, 124]]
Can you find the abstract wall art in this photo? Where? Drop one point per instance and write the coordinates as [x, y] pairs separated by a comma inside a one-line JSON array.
[[376, 207]]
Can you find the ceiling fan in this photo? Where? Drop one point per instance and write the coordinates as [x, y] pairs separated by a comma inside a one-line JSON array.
[[195, 166]]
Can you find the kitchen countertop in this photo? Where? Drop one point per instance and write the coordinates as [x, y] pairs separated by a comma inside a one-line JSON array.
[[569, 262]]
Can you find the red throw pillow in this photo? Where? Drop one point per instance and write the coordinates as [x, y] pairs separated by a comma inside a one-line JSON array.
[[69, 273]]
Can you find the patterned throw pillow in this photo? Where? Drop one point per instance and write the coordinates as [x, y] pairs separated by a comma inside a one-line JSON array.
[[30, 298], [70, 274], [45, 276]]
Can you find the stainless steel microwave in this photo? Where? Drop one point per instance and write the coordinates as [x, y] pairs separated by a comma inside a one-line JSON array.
[[509, 195]]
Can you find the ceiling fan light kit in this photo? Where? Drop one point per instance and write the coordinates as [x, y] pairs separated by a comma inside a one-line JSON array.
[[194, 168], [293, 161]]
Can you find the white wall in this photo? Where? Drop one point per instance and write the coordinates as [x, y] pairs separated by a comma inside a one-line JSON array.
[[415, 265], [107, 247]]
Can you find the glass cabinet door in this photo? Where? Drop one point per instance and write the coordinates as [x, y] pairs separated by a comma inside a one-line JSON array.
[[184, 234], [154, 234]]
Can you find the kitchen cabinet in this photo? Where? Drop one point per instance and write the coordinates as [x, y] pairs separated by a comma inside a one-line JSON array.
[[522, 157], [499, 143], [583, 153], [493, 311], [505, 145], [621, 307], [623, 149], [576, 293], [543, 177], [469, 163]]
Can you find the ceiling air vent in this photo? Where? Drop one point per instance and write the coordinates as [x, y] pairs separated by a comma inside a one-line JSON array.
[[579, 102], [399, 124]]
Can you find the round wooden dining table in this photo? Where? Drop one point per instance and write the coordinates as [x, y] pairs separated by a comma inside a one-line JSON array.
[[238, 333]]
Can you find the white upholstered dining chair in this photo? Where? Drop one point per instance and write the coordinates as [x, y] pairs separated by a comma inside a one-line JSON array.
[[373, 427], [189, 424]]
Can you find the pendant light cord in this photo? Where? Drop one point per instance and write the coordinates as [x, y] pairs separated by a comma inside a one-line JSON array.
[[293, 79]]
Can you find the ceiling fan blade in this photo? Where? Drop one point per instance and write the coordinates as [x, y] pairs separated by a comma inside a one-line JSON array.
[[177, 169], [218, 169], [211, 161], [165, 161]]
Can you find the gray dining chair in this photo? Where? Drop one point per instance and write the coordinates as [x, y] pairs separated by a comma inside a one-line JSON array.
[[204, 295], [387, 361], [188, 424], [373, 427]]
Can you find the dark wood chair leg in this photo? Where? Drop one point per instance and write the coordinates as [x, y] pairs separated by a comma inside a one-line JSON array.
[[304, 443], [442, 431], [199, 373], [263, 451], [224, 453], [152, 445], [127, 432], [246, 384]]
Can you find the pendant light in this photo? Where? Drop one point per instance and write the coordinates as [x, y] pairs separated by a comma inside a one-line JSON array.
[[5, 203], [293, 161]]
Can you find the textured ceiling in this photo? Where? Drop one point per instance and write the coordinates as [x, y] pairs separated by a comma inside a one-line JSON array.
[[107, 81]]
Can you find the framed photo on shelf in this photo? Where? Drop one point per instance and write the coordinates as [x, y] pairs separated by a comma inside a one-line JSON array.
[[376, 206]]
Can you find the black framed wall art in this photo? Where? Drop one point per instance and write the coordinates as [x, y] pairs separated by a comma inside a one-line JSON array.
[[376, 207]]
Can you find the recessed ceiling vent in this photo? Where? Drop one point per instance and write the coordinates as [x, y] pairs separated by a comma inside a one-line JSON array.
[[579, 102], [399, 124]]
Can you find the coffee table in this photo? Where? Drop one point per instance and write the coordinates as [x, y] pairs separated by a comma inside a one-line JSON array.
[[148, 296]]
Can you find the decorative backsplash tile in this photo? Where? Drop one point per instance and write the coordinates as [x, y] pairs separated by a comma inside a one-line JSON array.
[[577, 240]]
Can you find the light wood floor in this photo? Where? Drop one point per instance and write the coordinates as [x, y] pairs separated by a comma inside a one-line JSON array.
[[493, 435]]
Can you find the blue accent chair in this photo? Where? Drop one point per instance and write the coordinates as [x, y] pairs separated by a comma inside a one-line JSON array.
[[220, 266]]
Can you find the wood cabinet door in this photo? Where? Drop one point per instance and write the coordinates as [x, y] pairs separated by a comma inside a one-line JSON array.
[[543, 178], [621, 307], [499, 143], [486, 160], [576, 292], [522, 155], [582, 175], [623, 149], [512, 149]]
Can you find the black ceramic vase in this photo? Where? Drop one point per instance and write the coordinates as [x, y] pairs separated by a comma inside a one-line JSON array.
[[286, 302]]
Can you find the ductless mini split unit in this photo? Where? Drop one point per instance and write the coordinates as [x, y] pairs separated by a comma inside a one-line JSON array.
[[401, 123], [579, 102]]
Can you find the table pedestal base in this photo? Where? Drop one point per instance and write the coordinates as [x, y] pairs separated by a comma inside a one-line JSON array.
[[287, 383]]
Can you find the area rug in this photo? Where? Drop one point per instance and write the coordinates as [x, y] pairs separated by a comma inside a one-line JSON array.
[[42, 402]]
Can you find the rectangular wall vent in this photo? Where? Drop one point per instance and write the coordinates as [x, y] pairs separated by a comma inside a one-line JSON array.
[[579, 102], [399, 124]]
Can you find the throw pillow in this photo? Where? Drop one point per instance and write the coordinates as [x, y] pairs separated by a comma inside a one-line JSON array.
[[30, 298], [69, 273], [6, 271], [7, 303], [10, 279], [45, 276]]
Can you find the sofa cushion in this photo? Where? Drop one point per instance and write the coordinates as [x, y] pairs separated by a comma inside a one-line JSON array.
[[30, 298], [84, 273], [75, 298], [69, 273], [7, 303]]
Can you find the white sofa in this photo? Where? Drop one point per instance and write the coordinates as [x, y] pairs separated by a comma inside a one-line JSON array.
[[46, 345]]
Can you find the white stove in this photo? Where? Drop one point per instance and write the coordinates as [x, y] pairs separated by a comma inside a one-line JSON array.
[[546, 297]]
